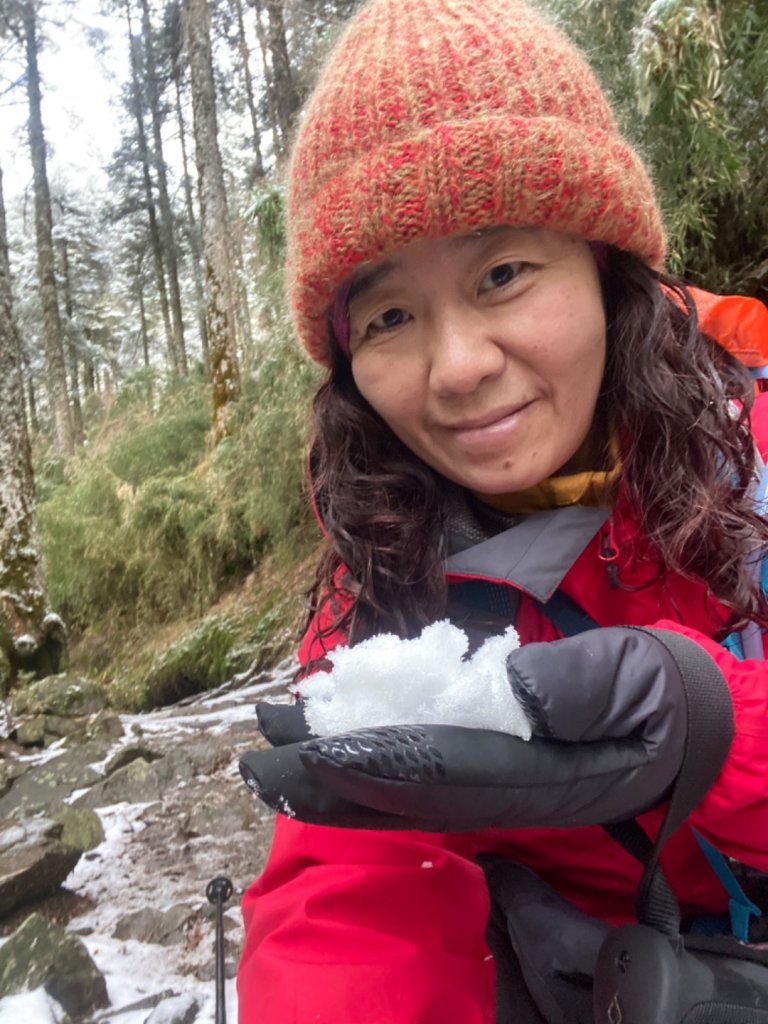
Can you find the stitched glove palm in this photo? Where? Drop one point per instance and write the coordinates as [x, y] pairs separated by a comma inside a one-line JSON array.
[[609, 716]]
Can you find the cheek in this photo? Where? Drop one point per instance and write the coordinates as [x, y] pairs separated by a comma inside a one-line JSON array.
[[385, 388], [587, 346]]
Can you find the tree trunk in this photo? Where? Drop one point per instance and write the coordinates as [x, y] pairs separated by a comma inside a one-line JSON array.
[[30, 638], [71, 347], [174, 357], [194, 233], [144, 330], [26, 374], [286, 96], [258, 163], [214, 216], [243, 312], [89, 370], [278, 143], [164, 202], [52, 332]]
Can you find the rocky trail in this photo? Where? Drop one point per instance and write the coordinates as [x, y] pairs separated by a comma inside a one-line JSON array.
[[111, 828]]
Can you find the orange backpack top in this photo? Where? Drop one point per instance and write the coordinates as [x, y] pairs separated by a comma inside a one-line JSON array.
[[738, 323]]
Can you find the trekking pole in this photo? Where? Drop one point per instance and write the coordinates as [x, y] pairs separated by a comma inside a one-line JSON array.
[[218, 891]]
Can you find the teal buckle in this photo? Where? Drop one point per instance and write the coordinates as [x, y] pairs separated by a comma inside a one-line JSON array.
[[740, 906]]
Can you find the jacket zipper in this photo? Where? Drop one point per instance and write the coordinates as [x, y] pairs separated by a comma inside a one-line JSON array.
[[609, 553]]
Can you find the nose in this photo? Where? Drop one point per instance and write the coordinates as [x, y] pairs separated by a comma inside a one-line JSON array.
[[463, 352]]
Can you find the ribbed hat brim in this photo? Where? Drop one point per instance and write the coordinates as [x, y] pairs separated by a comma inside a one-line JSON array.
[[546, 171]]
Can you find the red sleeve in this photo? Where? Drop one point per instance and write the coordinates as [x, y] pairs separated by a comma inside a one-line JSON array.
[[354, 927], [734, 813], [323, 633], [357, 927]]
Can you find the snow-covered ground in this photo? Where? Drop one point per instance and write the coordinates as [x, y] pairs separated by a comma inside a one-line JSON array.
[[130, 870]]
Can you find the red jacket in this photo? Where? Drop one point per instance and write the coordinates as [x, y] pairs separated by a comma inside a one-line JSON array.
[[358, 927]]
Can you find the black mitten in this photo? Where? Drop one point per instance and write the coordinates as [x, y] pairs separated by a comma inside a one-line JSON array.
[[609, 715]]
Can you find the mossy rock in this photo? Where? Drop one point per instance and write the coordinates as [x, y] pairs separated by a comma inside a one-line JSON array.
[[64, 695], [41, 953], [6, 672], [9, 771], [205, 656], [79, 827], [30, 732]]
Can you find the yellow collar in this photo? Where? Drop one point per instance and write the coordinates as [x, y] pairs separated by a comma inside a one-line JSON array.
[[593, 488]]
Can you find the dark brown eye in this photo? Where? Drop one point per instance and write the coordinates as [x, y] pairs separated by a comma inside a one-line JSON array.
[[499, 276], [389, 319]]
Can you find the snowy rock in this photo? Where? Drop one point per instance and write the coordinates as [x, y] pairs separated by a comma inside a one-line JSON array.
[[178, 1010], [43, 954], [137, 782], [50, 783], [125, 755], [164, 927], [208, 971], [221, 814], [37, 855], [36, 1006]]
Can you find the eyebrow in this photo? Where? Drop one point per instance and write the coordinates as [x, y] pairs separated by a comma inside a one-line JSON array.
[[367, 279]]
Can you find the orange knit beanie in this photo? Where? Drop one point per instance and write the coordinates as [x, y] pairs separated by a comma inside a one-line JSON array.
[[433, 117]]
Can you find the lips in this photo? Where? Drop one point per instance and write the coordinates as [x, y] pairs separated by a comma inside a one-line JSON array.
[[489, 419]]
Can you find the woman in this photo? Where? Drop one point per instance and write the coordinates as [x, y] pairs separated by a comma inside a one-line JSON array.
[[522, 423]]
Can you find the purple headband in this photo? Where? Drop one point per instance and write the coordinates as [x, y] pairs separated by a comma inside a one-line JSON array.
[[340, 317], [340, 307]]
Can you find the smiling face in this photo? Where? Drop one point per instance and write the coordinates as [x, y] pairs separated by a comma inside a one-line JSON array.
[[484, 353]]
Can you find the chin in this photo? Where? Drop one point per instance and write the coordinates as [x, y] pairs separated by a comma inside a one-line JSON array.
[[500, 485]]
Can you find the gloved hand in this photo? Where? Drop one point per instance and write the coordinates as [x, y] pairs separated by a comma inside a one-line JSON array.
[[609, 714]]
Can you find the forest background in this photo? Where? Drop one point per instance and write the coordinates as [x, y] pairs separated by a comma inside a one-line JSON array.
[[155, 531]]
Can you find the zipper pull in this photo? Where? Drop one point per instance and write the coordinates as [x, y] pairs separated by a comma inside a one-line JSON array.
[[609, 553]]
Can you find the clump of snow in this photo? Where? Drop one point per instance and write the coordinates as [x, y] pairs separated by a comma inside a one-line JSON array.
[[426, 681], [28, 1007], [25, 643]]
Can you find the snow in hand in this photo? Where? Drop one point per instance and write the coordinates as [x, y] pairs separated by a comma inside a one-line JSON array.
[[425, 681]]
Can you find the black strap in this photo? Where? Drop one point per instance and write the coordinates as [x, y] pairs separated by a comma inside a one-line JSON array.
[[501, 599], [563, 612], [709, 736], [708, 740]]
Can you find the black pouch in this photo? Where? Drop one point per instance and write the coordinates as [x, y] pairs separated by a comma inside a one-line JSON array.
[[643, 977], [557, 965], [545, 948]]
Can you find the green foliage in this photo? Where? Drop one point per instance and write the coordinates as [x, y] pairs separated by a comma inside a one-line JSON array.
[[149, 523], [268, 214], [207, 654], [694, 103], [268, 451], [198, 661], [173, 443]]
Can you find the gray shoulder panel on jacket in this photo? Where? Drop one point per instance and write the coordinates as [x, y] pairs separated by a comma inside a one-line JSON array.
[[536, 553]]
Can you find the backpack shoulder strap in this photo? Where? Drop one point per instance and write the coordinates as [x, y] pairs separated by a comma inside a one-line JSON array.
[[710, 732]]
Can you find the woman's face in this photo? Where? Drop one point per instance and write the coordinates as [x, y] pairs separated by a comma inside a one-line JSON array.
[[484, 353]]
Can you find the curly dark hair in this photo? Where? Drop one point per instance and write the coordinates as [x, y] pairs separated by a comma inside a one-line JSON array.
[[681, 405]]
